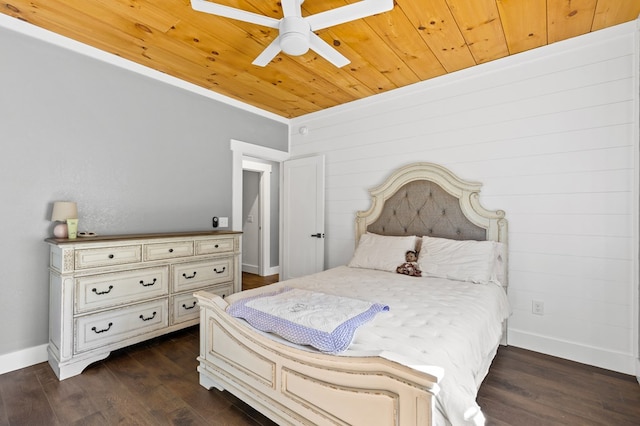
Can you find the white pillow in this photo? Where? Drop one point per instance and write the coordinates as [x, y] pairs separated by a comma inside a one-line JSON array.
[[381, 252], [468, 260]]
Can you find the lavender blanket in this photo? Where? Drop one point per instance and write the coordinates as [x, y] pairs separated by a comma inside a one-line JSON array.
[[323, 321]]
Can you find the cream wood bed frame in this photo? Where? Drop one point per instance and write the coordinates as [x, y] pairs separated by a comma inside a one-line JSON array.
[[297, 387]]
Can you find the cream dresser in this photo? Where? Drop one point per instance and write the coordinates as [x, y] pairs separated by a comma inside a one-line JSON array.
[[107, 292]]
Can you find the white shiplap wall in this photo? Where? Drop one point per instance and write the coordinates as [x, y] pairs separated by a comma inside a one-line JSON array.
[[552, 134]]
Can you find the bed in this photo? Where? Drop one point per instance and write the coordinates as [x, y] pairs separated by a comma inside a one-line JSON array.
[[421, 361]]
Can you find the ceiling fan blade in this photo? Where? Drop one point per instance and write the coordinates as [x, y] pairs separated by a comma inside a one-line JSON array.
[[291, 7], [233, 13], [325, 50], [347, 13], [268, 53]]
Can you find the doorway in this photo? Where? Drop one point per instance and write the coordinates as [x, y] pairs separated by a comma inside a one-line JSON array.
[[256, 217], [243, 151]]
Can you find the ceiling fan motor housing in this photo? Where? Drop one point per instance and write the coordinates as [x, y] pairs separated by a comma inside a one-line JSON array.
[[294, 35]]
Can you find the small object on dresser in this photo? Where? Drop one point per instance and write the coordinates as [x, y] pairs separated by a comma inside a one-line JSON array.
[[72, 228], [62, 211], [86, 234]]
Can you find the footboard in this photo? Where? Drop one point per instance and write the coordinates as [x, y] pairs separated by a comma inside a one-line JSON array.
[[293, 386]]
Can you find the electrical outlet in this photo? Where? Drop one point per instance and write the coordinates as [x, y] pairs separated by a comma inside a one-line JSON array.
[[537, 307], [224, 222]]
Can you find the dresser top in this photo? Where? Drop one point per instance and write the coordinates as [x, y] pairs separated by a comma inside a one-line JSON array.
[[129, 237]]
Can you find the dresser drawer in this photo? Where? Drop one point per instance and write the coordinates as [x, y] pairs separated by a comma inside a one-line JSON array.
[[107, 256], [219, 245], [196, 275], [106, 290], [158, 251], [185, 306], [93, 331]]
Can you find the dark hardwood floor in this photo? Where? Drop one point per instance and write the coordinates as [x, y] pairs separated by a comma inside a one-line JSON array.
[[250, 281], [528, 388], [156, 383]]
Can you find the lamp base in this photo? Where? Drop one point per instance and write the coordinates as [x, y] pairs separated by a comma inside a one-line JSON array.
[[60, 230]]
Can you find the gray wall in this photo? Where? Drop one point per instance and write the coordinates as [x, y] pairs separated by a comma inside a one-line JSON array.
[[136, 154]]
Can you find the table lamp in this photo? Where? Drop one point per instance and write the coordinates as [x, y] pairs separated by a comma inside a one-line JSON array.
[[62, 211]]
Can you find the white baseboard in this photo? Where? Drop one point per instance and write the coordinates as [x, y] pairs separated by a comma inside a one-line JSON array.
[[272, 270], [253, 269], [23, 358], [250, 269], [611, 360]]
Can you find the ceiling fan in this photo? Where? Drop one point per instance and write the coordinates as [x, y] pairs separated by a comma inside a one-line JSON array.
[[296, 33]]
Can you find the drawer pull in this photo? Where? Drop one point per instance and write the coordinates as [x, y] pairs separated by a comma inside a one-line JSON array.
[[150, 284], [111, 256], [189, 276], [148, 318], [102, 292], [103, 330], [189, 307], [224, 268], [170, 250], [216, 246]]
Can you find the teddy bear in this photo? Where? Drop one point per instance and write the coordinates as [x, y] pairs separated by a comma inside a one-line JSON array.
[[410, 266]]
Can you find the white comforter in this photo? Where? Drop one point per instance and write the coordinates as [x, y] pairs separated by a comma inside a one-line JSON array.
[[433, 322]]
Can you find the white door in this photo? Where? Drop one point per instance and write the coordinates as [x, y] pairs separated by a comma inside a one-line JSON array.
[[303, 217]]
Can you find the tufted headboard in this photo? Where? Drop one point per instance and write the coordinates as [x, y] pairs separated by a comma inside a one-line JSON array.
[[421, 207], [427, 199]]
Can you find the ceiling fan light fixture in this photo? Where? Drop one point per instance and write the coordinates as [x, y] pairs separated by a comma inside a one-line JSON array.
[[294, 36], [294, 44]]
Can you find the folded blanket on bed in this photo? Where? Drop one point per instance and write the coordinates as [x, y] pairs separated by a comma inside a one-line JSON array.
[[324, 321]]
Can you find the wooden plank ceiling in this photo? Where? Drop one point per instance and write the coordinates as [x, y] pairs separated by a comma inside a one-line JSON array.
[[416, 41]]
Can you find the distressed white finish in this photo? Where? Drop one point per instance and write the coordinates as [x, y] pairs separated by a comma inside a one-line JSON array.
[[110, 292], [293, 386], [552, 134], [296, 387]]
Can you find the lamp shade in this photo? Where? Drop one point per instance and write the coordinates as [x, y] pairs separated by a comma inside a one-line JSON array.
[[63, 210]]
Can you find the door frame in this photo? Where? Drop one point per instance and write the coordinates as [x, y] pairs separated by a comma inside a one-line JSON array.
[[264, 213], [240, 151]]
